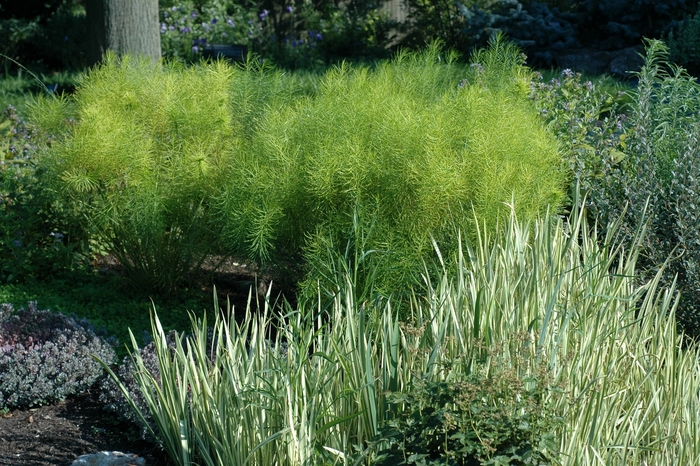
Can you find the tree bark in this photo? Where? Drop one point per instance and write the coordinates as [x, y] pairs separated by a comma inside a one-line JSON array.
[[124, 27]]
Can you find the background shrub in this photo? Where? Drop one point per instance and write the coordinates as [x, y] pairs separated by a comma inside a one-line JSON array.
[[684, 44], [535, 27], [292, 34], [623, 23], [39, 237], [401, 154], [45, 357], [653, 184], [44, 35]]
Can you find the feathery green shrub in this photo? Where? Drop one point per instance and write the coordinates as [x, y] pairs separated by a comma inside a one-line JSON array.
[[394, 157], [149, 146], [148, 149]]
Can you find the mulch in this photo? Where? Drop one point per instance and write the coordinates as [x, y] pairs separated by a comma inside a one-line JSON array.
[[58, 434]]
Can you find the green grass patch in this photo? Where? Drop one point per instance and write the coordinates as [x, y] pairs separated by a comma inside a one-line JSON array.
[[108, 303]]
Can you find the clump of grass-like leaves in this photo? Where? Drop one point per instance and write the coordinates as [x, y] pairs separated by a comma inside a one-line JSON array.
[[307, 390]]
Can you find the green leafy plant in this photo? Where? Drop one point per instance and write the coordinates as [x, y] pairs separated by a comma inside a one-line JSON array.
[[655, 183], [588, 122], [403, 155], [492, 419], [148, 147]]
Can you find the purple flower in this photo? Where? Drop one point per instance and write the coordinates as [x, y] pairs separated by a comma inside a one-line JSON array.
[[174, 8], [567, 73], [163, 27], [264, 14], [185, 30], [214, 21], [230, 22], [319, 36], [205, 26], [289, 9], [195, 49], [171, 28], [165, 14], [194, 14]]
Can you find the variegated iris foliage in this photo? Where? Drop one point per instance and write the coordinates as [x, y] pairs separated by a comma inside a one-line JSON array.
[[312, 389]]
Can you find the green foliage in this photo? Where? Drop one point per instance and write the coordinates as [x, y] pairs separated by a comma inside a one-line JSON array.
[[586, 121], [655, 183], [15, 31], [401, 155], [293, 35], [489, 418], [148, 148], [684, 44], [186, 29], [43, 35], [38, 235]]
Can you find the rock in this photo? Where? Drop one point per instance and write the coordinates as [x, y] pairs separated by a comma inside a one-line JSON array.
[[626, 60], [617, 62], [109, 458]]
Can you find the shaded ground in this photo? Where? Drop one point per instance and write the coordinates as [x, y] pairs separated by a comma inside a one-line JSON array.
[[58, 434]]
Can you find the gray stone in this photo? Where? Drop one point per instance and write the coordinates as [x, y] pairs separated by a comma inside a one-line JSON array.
[[109, 458], [617, 62], [626, 61]]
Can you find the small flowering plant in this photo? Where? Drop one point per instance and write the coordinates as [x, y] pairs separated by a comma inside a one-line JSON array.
[[292, 35], [186, 29], [585, 120]]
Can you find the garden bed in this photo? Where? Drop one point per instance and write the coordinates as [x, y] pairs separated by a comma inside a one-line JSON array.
[[58, 434]]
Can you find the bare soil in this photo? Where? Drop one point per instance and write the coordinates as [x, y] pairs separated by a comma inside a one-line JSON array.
[[58, 434]]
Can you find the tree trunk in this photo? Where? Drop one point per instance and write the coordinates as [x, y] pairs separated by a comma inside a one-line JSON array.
[[124, 27]]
